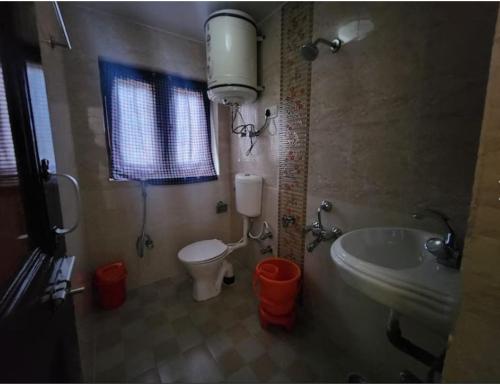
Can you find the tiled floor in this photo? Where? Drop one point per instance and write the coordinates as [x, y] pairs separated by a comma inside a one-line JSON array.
[[161, 335]]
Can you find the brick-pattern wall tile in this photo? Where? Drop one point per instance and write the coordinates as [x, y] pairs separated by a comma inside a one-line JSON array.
[[296, 30]]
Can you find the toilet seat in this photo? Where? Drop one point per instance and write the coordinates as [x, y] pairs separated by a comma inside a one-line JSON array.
[[202, 251]]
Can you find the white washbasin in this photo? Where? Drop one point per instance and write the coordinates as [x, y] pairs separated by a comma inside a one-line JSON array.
[[391, 266]]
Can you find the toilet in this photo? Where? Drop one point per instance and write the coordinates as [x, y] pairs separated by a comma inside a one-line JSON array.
[[206, 261]]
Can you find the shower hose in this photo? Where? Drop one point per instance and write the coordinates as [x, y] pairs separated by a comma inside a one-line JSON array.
[[144, 240]]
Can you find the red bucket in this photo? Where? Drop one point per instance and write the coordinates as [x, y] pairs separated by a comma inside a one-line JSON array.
[[276, 282], [110, 281]]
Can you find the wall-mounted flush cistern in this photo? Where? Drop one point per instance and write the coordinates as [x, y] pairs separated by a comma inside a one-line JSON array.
[[310, 51]]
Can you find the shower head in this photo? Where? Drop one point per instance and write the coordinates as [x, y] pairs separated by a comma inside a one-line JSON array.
[[310, 51]]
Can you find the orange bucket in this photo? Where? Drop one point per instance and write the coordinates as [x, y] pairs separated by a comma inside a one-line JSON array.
[[276, 282], [110, 281]]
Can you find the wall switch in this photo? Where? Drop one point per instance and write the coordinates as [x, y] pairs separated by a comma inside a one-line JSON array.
[[272, 111]]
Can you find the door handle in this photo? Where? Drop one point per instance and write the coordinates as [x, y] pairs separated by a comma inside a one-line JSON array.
[[46, 174], [76, 189]]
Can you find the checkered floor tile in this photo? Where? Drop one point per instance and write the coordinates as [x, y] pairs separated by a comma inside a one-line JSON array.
[[161, 335]]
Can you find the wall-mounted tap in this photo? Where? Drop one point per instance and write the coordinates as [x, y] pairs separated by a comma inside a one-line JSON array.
[[287, 220], [266, 250], [319, 231], [446, 249], [265, 232], [313, 244]]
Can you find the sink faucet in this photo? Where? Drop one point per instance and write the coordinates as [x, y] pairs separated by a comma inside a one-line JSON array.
[[446, 250], [319, 231]]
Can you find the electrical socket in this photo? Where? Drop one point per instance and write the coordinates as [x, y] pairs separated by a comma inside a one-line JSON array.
[[272, 111]]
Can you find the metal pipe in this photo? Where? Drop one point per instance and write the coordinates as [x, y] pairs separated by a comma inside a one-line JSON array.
[[244, 240], [396, 338], [144, 240], [144, 214], [54, 43]]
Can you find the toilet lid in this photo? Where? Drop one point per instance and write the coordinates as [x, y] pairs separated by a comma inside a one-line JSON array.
[[202, 251]]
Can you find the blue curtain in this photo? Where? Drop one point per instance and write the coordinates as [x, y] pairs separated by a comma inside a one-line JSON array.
[[157, 126]]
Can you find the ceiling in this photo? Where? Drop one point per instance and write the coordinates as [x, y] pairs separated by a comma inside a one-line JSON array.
[[185, 18]]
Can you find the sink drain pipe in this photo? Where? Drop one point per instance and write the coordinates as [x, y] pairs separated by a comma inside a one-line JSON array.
[[405, 345], [395, 336]]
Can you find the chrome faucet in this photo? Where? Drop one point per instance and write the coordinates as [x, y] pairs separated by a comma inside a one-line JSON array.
[[446, 250], [318, 230]]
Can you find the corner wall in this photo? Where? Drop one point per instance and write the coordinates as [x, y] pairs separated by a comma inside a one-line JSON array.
[[263, 159], [395, 123], [474, 352], [177, 215]]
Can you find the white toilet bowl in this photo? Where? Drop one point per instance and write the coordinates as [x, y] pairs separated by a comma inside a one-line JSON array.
[[205, 262]]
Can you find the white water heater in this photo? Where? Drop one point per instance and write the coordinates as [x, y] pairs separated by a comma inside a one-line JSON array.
[[231, 43]]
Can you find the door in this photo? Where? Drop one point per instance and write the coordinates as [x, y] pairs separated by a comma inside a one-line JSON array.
[[37, 334]]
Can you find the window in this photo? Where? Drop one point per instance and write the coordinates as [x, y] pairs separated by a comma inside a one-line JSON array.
[[40, 113], [136, 124], [8, 166], [157, 126]]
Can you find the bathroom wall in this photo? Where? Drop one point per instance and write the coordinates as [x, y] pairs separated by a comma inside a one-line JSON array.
[[177, 215], [395, 118], [474, 353], [263, 159], [394, 124]]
